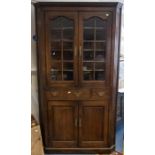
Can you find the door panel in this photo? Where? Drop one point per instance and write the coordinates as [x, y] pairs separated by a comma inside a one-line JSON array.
[[61, 47], [62, 117], [93, 124], [94, 46]]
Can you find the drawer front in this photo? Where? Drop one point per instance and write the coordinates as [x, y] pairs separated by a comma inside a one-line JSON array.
[[99, 94], [69, 94]]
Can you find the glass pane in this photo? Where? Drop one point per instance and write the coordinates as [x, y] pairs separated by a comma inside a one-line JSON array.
[[87, 66], [62, 43], [68, 34], [89, 34], [88, 75], [68, 75], [61, 22], [99, 75], [68, 66], [88, 55], [94, 46], [88, 45], [68, 54], [67, 45], [88, 71], [100, 34], [55, 34], [100, 56], [99, 66], [100, 22], [68, 71], [89, 22], [56, 71], [100, 45]]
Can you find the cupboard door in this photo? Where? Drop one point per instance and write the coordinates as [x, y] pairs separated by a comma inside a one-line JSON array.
[[62, 124], [94, 46], [61, 47], [93, 124]]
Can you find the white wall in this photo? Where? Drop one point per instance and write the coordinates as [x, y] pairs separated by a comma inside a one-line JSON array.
[[34, 88]]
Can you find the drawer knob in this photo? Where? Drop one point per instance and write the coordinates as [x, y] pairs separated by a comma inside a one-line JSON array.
[[69, 92], [101, 93]]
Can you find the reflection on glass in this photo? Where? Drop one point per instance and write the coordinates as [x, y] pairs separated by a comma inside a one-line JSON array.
[[87, 66], [62, 41], [56, 54], [94, 48], [56, 71], [56, 75]]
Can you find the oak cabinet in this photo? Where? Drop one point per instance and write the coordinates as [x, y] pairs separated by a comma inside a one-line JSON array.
[[78, 51]]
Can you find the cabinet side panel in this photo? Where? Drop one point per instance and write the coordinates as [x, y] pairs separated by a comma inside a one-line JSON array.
[[41, 71], [114, 73]]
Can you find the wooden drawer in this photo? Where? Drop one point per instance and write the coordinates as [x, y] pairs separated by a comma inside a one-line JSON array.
[[69, 94], [98, 94]]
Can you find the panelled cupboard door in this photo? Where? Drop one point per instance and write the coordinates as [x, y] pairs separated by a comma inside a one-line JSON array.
[[93, 124], [62, 124], [61, 47], [94, 46]]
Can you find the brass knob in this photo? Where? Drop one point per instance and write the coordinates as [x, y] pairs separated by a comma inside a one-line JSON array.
[[107, 14], [69, 92]]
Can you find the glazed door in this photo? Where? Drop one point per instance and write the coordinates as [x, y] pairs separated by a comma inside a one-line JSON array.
[[94, 47], [61, 48], [62, 124], [93, 124]]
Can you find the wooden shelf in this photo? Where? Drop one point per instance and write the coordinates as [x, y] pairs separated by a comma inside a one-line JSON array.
[[59, 40], [92, 28], [93, 61], [62, 28], [96, 41]]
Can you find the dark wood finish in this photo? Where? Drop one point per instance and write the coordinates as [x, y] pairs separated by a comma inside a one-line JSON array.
[[78, 115], [62, 127], [93, 124]]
